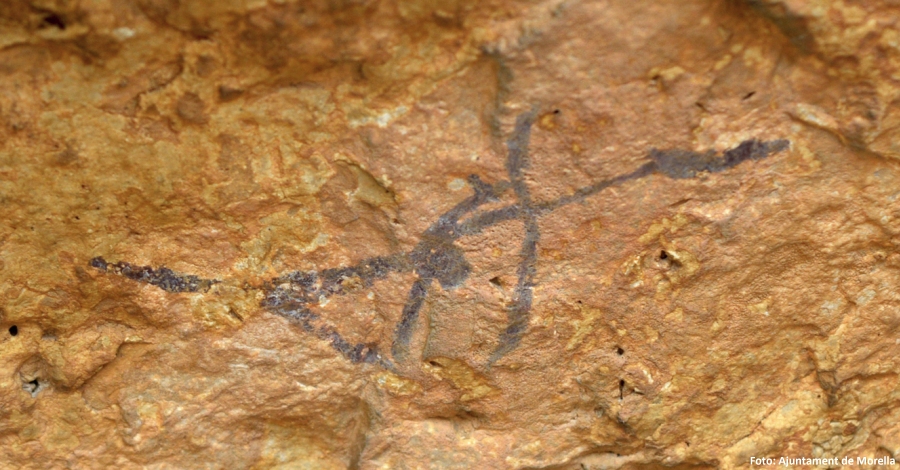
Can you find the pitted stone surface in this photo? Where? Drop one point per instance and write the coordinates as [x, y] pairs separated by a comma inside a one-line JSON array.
[[248, 234]]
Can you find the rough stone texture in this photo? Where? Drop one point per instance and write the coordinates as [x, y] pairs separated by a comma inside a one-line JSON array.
[[683, 323]]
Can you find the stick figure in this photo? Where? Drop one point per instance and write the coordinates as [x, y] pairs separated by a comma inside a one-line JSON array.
[[437, 258]]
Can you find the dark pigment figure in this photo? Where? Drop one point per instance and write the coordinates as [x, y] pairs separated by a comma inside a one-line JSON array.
[[436, 258]]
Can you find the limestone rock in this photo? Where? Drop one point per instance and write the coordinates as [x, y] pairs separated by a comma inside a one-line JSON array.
[[459, 234]]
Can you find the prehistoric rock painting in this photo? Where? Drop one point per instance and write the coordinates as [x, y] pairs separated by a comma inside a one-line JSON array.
[[436, 258]]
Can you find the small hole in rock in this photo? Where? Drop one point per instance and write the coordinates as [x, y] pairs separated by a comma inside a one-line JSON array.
[[434, 363], [32, 387], [556, 111], [496, 281], [54, 20], [13, 330], [663, 255], [749, 95], [620, 351]]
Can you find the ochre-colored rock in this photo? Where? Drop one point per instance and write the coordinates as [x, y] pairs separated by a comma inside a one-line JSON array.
[[680, 248]]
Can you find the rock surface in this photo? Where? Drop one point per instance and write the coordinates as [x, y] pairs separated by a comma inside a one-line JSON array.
[[692, 315]]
